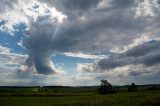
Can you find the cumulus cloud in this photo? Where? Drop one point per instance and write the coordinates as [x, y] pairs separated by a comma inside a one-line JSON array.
[[39, 41], [80, 4], [41, 22], [10, 61], [92, 26], [146, 54], [96, 25]]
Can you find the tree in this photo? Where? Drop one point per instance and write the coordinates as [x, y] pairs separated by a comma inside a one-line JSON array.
[[132, 88], [105, 87]]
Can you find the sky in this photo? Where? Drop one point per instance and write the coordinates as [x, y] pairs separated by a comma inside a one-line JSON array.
[[79, 42]]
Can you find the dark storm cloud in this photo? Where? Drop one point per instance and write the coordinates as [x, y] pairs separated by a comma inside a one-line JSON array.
[[72, 4], [89, 29], [80, 4], [94, 27], [143, 49], [147, 54], [102, 26], [73, 8], [38, 43], [135, 73], [122, 3]]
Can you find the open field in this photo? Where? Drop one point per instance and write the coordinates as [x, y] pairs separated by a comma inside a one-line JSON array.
[[76, 97]]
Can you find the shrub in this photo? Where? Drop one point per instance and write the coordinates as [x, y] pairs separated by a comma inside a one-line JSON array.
[[132, 88]]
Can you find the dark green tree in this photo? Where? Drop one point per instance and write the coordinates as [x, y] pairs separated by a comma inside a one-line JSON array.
[[132, 88], [105, 87]]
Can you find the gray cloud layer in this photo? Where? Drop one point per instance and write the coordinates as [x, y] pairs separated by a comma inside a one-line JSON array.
[[93, 26], [147, 54], [7, 4]]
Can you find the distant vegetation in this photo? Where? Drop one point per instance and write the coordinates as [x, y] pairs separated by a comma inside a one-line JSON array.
[[106, 88], [102, 95], [132, 88]]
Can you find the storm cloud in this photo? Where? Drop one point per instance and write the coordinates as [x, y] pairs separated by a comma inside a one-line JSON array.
[[93, 27], [87, 28], [39, 41], [147, 54]]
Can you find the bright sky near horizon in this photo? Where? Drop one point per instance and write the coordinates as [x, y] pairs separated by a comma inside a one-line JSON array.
[[79, 42]]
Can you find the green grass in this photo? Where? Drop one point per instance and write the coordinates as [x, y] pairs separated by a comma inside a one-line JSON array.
[[49, 89], [140, 98]]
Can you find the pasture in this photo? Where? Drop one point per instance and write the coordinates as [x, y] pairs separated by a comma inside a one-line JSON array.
[[76, 96]]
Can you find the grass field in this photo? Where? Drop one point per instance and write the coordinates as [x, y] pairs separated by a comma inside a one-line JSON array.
[[81, 97]]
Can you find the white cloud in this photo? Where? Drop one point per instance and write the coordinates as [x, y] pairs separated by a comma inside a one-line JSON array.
[[25, 10], [143, 38], [108, 25], [146, 8], [120, 75], [20, 43], [85, 56], [9, 60]]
